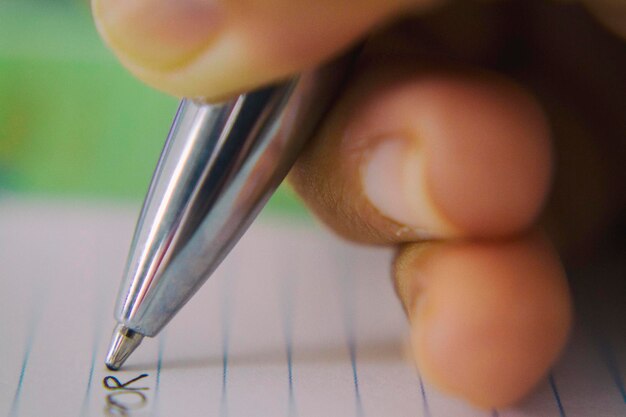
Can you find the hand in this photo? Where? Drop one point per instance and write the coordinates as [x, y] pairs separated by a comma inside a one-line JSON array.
[[437, 146]]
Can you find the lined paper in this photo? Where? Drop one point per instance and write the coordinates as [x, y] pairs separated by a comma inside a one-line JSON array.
[[294, 323]]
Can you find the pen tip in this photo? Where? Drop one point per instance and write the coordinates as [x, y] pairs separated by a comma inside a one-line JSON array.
[[123, 343]]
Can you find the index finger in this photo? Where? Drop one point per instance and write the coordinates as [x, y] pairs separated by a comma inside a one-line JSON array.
[[215, 48]]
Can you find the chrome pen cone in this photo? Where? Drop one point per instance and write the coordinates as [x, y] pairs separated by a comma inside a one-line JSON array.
[[123, 343]]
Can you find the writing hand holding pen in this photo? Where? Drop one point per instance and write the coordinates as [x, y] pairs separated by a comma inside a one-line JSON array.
[[443, 145]]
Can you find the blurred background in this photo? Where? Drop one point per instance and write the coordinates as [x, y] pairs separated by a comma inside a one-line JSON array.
[[73, 122]]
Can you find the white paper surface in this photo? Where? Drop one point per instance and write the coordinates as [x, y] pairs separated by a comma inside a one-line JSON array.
[[295, 323]]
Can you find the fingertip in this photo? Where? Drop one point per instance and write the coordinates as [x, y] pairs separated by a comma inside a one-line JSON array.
[[412, 153], [487, 319], [489, 165], [162, 35], [215, 48]]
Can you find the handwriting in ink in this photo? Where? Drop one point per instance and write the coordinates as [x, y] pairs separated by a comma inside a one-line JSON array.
[[124, 398], [116, 384]]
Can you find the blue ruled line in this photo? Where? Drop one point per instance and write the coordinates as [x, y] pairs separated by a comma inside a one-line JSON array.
[[608, 356], [225, 348], [355, 375], [84, 410], [18, 391], [159, 365], [346, 285], [557, 397], [30, 338], [287, 301], [225, 310], [292, 411], [425, 406], [157, 384]]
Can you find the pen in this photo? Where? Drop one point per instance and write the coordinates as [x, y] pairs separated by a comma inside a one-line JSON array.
[[220, 164]]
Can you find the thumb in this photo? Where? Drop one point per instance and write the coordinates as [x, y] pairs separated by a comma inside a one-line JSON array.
[[214, 48]]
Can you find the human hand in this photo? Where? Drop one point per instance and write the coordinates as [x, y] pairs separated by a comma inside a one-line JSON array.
[[433, 148]]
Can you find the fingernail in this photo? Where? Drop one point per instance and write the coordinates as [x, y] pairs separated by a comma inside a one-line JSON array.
[[395, 182], [158, 33]]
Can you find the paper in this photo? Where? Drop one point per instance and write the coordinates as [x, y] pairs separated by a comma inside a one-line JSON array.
[[295, 323]]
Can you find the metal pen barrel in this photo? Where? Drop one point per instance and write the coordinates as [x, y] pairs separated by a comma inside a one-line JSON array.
[[220, 165]]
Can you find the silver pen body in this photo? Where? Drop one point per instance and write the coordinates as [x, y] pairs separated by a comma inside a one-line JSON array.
[[220, 165]]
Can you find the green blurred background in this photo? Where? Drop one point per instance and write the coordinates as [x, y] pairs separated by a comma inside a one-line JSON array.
[[73, 122]]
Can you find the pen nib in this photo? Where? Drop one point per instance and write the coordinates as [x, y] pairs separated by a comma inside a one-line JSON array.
[[123, 343]]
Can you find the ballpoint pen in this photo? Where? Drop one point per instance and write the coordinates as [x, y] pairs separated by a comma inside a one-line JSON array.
[[220, 164]]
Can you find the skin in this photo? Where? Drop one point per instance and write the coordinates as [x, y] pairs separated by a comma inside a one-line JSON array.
[[481, 142]]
